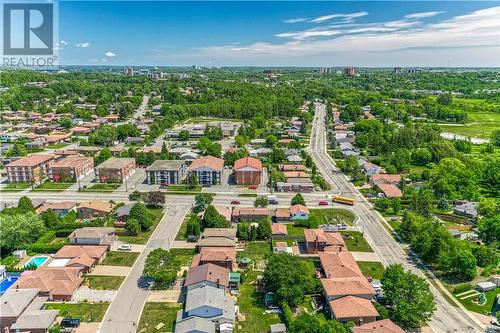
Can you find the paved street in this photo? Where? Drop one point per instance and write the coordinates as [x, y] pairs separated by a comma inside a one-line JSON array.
[[446, 318], [124, 313]]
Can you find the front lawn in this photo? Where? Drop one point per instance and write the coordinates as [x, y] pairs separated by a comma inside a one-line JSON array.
[[371, 268], [55, 187], [87, 312], [252, 306], [332, 216], [181, 235], [101, 187], [470, 303], [184, 255], [356, 242], [115, 258], [182, 188], [15, 187], [156, 313], [104, 282]]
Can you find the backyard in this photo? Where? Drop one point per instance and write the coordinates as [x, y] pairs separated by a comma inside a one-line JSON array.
[[155, 314], [469, 300], [143, 236], [87, 312]]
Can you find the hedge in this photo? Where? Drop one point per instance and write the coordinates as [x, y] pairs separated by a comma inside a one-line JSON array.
[[462, 288], [45, 247]]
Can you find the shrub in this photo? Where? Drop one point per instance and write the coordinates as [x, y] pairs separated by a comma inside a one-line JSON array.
[[462, 288]]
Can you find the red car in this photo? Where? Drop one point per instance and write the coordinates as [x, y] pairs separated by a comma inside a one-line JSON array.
[[323, 203], [235, 202]]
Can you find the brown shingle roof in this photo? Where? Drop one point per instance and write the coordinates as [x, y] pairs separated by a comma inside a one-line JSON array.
[[211, 162], [55, 206], [91, 232], [208, 272], [218, 254], [352, 307], [390, 191], [379, 326], [282, 213], [71, 162], [30, 161], [82, 260], [251, 211], [344, 286], [278, 229], [102, 206], [298, 208], [73, 251], [248, 162], [56, 281], [330, 238], [341, 264]]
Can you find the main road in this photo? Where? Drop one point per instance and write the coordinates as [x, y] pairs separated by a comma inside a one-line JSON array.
[[447, 317], [125, 311]]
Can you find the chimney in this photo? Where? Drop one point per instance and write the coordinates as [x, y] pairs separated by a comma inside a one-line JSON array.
[[218, 283]]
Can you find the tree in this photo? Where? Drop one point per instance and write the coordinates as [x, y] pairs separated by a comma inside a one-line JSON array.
[[306, 323], [192, 181], [298, 199], [133, 227], [271, 141], [264, 230], [104, 136], [465, 264], [489, 229], [488, 207], [193, 226], [261, 201], [25, 205], [410, 299], [485, 255], [104, 154], [445, 99], [50, 218], [422, 202], [421, 156], [201, 201], [495, 138], [156, 199], [396, 205], [137, 196], [231, 157], [212, 218], [213, 133], [240, 141], [20, 230], [65, 122], [161, 266], [309, 162], [142, 215], [289, 278], [443, 204], [184, 135], [16, 150]]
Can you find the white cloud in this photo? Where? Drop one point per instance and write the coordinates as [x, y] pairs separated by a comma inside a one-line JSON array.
[[297, 20], [63, 42], [344, 17], [83, 45], [416, 16], [110, 54]]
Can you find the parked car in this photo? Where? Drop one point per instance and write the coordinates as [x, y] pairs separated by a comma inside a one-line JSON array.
[[70, 322], [341, 226], [125, 247], [192, 239], [323, 203], [235, 202]]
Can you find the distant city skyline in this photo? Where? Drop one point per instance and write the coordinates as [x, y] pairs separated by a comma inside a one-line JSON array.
[[322, 34]]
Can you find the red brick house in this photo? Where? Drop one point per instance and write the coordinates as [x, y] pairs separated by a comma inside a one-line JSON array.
[[247, 171], [318, 240]]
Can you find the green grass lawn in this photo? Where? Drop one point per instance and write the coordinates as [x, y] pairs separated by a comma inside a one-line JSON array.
[[255, 251], [479, 125], [294, 231], [115, 258], [143, 236], [87, 312], [101, 187], [155, 313], [252, 306], [469, 304], [56, 146], [373, 269], [182, 188], [12, 187], [54, 187], [356, 243], [181, 235], [184, 255], [332, 216], [104, 282]]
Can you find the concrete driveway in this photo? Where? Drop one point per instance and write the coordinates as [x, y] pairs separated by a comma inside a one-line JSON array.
[[135, 247], [110, 270]]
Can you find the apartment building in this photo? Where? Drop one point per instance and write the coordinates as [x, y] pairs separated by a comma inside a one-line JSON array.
[[115, 170], [31, 169], [166, 172], [70, 168]]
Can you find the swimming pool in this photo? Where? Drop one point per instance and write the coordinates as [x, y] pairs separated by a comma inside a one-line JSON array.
[[7, 282], [37, 261]]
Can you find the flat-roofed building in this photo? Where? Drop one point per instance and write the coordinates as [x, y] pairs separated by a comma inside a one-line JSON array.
[[115, 170], [30, 169], [208, 170], [70, 168], [166, 172]]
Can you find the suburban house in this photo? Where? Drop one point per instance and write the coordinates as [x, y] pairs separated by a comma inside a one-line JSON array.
[[209, 303], [165, 172], [70, 168], [299, 212], [466, 208], [250, 214], [379, 326], [21, 310], [221, 256], [61, 208], [278, 229], [247, 171], [371, 169], [217, 237], [92, 209], [340, 265], [304, 185], [209, 275], [282, 215], [390, 191], [31, 169], [208, 170], [384, 178], [224, 211], [115, 170], [292, 167], [93, 236], [193, 324], [338, 287], [122, 213], [84, 257], [352, 308], [58, 284], [317, 240]]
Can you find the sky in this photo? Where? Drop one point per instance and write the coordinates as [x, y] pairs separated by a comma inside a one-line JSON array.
[[283, 33]]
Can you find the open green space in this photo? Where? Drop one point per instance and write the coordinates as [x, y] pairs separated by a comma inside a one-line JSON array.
[[116, 258], [356, 242], [252, 306], [101, 187], [332, 216], [54, 187], [479, 125], [87, 312], [143, 236], [13, 187], [155, 314], [184, 255], [104, 282], [371, 268], [471, 303], [182, 188], [293, 230], [255, 251]]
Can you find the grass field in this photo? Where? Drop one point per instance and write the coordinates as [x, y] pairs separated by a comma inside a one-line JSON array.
[[356, 242], [87, 312], [115, 258], [373, 269], [156, 313], [101, 187], [104, 282], [54, 187], [182, 188], [13, 187], [469, 303], [184, 255], [479, 125], [332, 216], [255, 251]]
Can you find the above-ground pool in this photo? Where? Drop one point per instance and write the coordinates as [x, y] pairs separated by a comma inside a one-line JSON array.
[[36, 261], [8, 281]]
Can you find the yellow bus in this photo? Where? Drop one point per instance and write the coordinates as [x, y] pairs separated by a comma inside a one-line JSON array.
[[343, 200]]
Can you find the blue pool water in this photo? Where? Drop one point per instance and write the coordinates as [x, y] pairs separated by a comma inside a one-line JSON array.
[[7, 282], [37, 261]]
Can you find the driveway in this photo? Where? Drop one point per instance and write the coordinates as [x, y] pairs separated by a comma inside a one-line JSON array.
[[167, 296], [84, 293], [135, 247], [110, 270], [87, 328], [183, 245]]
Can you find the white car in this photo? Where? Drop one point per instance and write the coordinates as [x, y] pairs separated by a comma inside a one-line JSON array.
[[125, 247]]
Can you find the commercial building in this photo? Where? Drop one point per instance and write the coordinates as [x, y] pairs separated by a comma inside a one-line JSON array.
[[115, 170], [247, 171], [208, 170], [350, 71], [31, 169], [71, 168], [165, 172]]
